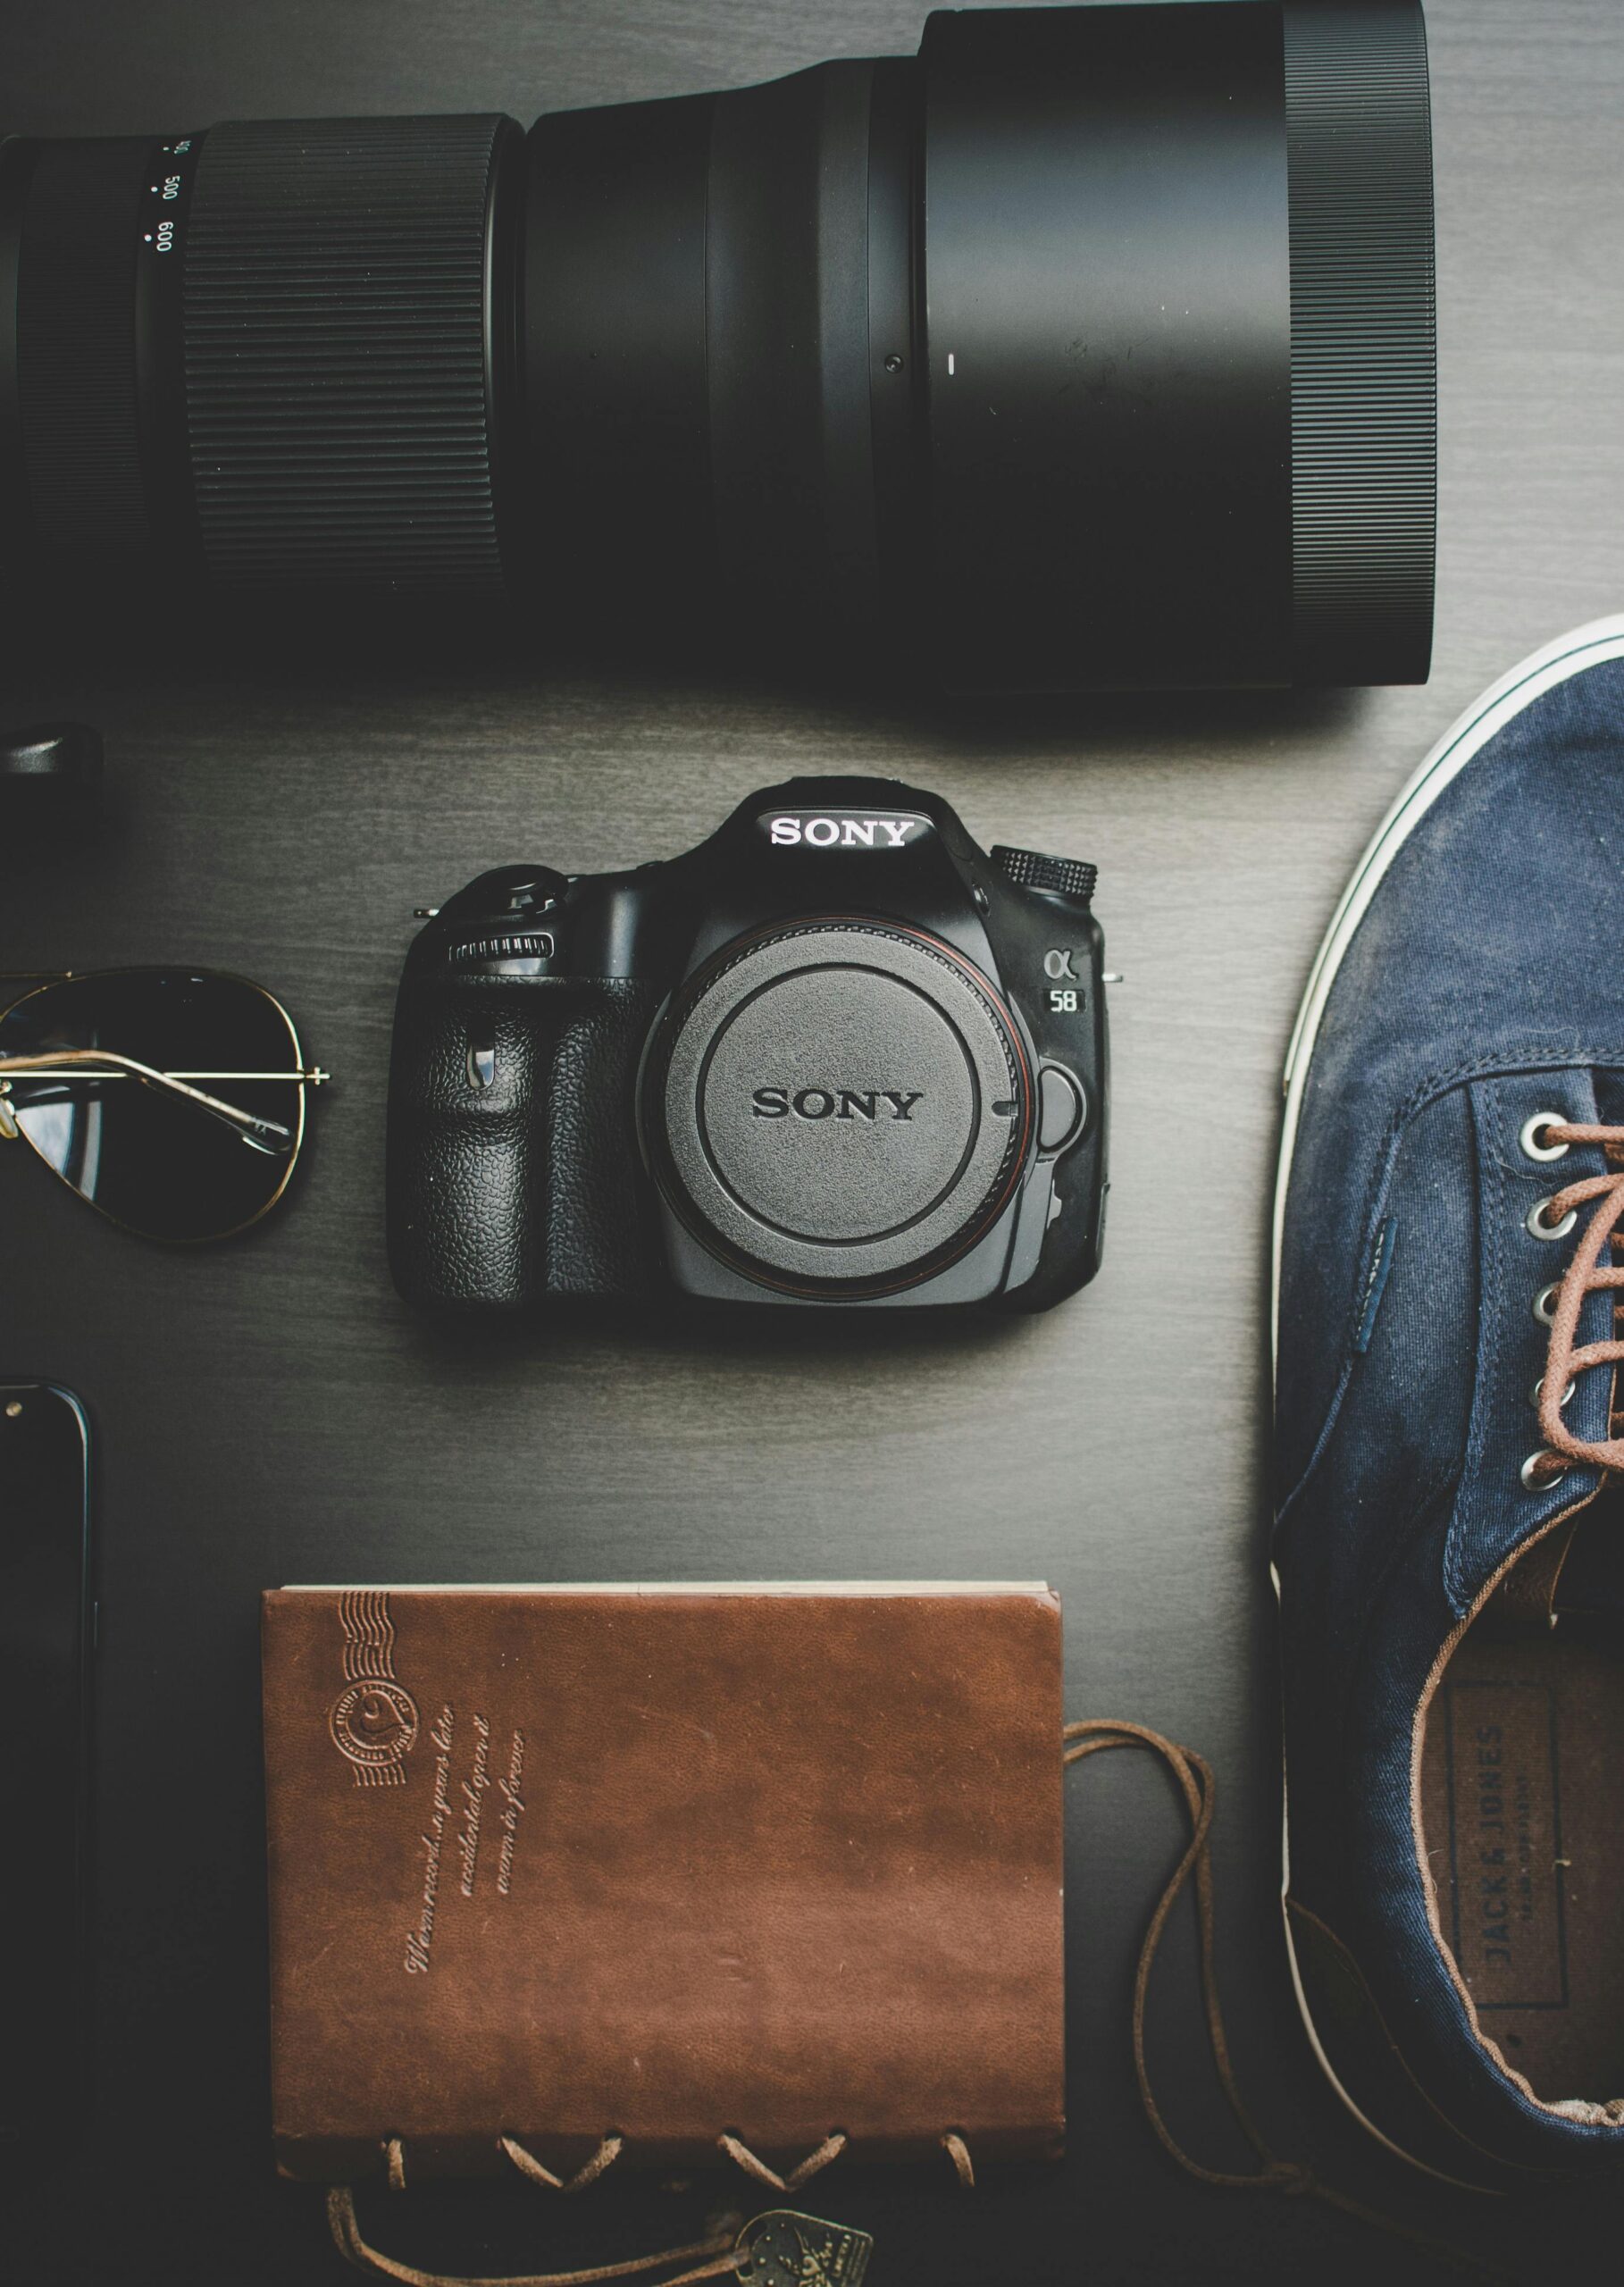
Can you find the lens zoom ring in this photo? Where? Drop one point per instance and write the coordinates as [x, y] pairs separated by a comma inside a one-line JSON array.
[[1364, 397], [338, 395]]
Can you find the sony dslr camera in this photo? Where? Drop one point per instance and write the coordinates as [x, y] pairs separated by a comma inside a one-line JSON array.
[[836, 1054]]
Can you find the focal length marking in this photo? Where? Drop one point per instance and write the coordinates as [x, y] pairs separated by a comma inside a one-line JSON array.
[[166, 193]]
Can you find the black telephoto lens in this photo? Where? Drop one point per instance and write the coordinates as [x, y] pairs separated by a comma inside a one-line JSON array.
[[1092, 347]]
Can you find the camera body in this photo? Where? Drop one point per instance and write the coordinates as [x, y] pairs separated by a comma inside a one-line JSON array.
[[837, 1054]]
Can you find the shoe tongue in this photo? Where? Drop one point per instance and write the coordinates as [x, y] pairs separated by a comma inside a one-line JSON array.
[[1572, 1574], [1590, 1581]]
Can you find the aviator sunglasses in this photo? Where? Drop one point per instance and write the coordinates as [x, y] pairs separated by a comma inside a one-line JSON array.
[[171, 1099]]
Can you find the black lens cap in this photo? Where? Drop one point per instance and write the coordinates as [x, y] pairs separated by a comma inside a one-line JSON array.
[[841, 1106]]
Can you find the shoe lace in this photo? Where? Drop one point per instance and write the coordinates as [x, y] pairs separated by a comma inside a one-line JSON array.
[[1566, 1357]]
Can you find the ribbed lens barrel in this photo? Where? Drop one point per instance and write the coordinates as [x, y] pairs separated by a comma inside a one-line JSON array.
[[1364, 394], [1179, 278], [343, 281], [1094, 347], [281, 353]]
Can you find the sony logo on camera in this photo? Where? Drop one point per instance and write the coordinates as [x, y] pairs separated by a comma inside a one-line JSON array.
[[835, 1103], [842, 830]]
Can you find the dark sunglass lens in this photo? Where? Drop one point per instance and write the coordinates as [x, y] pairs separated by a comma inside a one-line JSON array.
[[162, 1165]]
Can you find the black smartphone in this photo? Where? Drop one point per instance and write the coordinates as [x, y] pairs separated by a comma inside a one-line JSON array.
[[46, 1633]]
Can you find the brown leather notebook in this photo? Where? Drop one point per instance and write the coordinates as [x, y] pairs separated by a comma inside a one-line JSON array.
[[556, 1866]]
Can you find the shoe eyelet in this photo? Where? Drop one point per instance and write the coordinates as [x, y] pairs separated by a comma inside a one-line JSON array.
[[1544, 1303], [1532, 1147], [1543, 1469], [1538, 1392], [1536, 1226]]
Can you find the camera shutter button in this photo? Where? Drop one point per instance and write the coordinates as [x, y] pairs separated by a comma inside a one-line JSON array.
[[535, 890]]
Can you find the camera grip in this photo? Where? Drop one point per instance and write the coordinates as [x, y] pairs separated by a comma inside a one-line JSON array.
[[506, 1190]]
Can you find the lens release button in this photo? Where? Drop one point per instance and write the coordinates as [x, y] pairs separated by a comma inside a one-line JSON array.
[[1062, 1108]]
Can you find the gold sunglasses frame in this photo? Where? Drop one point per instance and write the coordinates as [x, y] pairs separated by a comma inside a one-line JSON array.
[[308, 1077]]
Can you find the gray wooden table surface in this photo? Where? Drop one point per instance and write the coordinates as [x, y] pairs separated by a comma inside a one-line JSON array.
[[269, 1412]]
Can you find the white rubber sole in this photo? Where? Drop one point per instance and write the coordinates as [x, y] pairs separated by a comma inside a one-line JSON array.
[[1541, 671]]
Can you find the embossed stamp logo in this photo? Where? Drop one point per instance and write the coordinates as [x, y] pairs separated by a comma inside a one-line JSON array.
[[373, 1722]]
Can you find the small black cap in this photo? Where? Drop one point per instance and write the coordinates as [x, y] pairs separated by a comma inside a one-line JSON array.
[[50, 781], [1034, 869]]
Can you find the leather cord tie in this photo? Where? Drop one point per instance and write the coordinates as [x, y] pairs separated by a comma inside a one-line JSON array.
[[830, 2148], [529, 2166], [958, 2152], [1586, 1274], [1198, 1787], [715, 2258]]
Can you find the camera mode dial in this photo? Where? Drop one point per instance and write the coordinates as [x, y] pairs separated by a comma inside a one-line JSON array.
[[1037, 869]]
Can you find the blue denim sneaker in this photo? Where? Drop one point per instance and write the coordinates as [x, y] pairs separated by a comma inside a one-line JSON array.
[[1449, 1543]]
